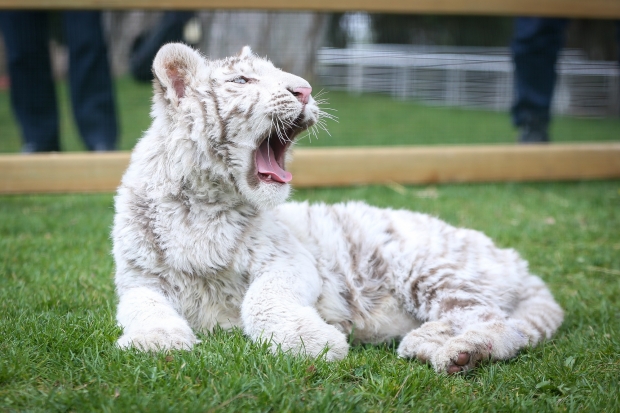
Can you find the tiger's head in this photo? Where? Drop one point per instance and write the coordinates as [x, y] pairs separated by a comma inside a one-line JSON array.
[[233, 120]]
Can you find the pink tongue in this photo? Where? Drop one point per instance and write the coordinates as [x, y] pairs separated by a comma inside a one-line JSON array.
[[266, 164]]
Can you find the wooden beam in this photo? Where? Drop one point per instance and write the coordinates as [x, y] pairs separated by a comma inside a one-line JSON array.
[[437, 164], [88, 172], [602, 9], [62, 172]]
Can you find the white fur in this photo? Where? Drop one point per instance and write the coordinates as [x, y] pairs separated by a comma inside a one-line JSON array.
[[200, 242]]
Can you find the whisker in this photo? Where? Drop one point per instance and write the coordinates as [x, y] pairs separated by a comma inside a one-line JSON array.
[[323, 115], [324, 127], [322, 101], [321, 93]]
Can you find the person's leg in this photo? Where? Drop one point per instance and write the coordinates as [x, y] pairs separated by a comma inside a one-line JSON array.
[[535, 48], [618, 45], [168, 29], [33, 97], [92, 93], [618, 38]]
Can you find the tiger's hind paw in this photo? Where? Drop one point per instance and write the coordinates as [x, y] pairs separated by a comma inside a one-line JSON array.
[[423, 342], [464, 362], [460, 355]]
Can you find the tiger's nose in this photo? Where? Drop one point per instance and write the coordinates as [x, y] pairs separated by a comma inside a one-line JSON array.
[[302, 94]]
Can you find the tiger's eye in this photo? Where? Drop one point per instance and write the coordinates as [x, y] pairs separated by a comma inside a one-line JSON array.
[[240, 80]]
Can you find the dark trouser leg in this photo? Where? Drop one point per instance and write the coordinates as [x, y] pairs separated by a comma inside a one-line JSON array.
[[168, 29], [33, 97], [535, 47], [92, 93], [618, 38], [618, 45]]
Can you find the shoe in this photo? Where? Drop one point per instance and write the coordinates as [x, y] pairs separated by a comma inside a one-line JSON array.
[[533, 133], [31, 147], [104, 147]]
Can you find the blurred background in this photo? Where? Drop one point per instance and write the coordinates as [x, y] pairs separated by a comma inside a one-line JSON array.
[[389, 79]]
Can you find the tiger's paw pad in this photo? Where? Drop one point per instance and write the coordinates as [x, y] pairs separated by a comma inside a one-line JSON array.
[[464, 362], [460, 363]]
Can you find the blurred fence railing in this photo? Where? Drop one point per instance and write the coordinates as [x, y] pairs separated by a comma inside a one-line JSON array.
[[467, 77], [602, 9], [88, 172]]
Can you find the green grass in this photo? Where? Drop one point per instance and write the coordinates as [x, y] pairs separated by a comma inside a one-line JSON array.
[[57, 306], [362, 120], [380, 120], [57, 303]]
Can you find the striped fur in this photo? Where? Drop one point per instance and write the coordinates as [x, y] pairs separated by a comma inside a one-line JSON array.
[[202, 239]]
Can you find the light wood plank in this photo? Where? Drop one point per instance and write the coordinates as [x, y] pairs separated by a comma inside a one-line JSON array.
[[437, 164], [62, 172], [606, 9], [88, 172]]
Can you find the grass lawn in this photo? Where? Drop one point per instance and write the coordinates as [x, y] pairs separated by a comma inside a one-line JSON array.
[[57, 303], [57, 328], [362, 120]]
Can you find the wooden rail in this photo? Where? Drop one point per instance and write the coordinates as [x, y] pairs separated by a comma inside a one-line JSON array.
[[602, 9], [88, 172]]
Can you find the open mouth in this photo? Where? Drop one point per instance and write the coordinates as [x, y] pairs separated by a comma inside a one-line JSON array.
[[270, 155]]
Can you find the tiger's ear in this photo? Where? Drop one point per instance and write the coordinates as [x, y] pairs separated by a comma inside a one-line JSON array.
[[175, 68], [245, 52]]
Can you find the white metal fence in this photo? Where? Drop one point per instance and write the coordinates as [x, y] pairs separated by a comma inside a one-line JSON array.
[[468, 77]]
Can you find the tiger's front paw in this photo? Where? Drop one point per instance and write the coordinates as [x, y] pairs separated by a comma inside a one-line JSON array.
[[314, 341], [158, 338], [336, 344]]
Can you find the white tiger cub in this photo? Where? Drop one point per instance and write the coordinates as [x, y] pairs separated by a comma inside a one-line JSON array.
[[202, 237]]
